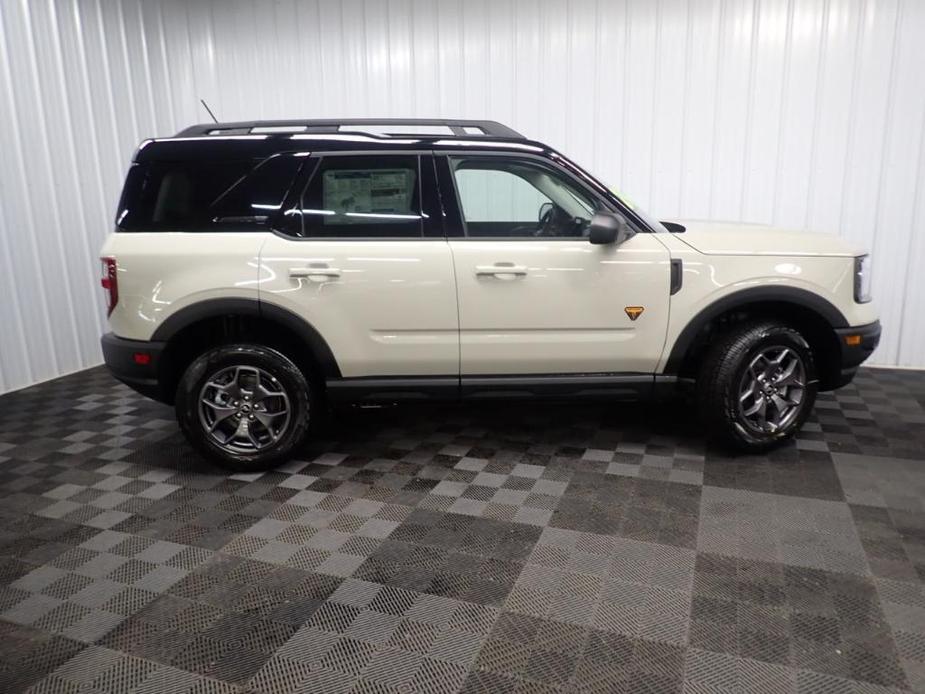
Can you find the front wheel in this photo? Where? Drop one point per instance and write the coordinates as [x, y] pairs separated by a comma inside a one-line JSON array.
[[757, 385], [246, 407]]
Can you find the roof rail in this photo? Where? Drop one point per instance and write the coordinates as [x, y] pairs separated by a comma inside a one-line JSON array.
[[386, 126]]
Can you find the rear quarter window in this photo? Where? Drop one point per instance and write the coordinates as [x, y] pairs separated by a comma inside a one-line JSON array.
[[205, 195]]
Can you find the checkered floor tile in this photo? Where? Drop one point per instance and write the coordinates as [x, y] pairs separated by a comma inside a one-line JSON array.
[[542, 547]]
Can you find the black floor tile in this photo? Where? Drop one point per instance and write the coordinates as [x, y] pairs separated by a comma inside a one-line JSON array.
[[537, 548]]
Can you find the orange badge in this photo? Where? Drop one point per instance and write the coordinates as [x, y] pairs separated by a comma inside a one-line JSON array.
[[634, 311]]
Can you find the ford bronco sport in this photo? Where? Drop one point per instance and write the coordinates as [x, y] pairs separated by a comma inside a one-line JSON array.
[[261, 271]]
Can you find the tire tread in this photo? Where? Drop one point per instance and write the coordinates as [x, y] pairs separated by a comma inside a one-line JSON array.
[[186, 405], [715, 393]]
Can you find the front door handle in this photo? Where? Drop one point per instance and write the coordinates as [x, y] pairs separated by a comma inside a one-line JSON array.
[[504, 271], [314, 274]]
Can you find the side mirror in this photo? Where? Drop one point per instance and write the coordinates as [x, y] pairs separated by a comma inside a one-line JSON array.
[[607, 227]]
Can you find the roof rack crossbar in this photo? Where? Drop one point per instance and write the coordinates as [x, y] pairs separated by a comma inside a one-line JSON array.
[[459, 128]]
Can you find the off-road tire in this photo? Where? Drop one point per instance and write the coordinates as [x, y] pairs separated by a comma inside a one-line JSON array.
[[721, 375], [304, 402]]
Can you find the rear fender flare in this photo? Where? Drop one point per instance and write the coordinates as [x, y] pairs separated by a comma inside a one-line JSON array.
[[216, 308]]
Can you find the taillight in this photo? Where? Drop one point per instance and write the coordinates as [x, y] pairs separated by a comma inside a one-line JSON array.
[[110, 282]]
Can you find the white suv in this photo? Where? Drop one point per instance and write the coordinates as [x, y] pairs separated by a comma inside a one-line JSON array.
[[261, 271]]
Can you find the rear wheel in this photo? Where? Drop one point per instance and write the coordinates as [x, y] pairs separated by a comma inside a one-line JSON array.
[[246, 407], [757, 385]]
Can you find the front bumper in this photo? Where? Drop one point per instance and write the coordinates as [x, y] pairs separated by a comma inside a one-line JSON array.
[[856, 343], [120, 357]]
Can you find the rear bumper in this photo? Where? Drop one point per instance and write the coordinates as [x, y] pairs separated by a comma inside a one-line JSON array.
[[867, 337], [120, 357]]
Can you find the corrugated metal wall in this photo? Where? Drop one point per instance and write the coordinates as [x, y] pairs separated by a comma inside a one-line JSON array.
[[803, 113]]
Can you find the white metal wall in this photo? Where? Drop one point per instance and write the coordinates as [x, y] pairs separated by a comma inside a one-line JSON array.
[[802, 113]]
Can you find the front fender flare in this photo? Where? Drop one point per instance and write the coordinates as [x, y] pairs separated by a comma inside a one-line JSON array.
[[781, 295]]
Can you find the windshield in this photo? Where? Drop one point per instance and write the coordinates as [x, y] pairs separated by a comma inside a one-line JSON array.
[[645, 216], [601, 187]]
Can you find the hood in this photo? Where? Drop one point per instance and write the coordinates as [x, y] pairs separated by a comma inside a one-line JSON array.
[[736, 238]]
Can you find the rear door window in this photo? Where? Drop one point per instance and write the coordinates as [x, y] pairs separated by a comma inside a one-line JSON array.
[[363, 197], [205, 195]]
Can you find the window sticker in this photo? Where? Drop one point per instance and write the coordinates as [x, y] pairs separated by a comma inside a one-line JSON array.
[[378, 195]]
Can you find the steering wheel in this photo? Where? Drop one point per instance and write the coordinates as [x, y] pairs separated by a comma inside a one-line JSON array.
[[559, 223], [547, 223], [553, 222]]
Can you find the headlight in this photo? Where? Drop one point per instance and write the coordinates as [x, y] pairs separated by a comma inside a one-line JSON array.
[[862, 279]]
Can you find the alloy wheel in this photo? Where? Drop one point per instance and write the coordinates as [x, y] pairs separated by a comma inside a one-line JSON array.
[[772, 390], [244, 409]]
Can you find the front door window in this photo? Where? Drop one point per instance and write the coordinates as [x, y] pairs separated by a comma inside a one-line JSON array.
[[518, 198]]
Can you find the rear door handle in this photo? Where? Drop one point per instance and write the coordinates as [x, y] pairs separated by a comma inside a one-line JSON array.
[[314, 274], [504, 271]]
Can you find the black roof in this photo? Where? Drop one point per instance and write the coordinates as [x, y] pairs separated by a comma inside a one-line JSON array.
[[261, 139], [253, 139]]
